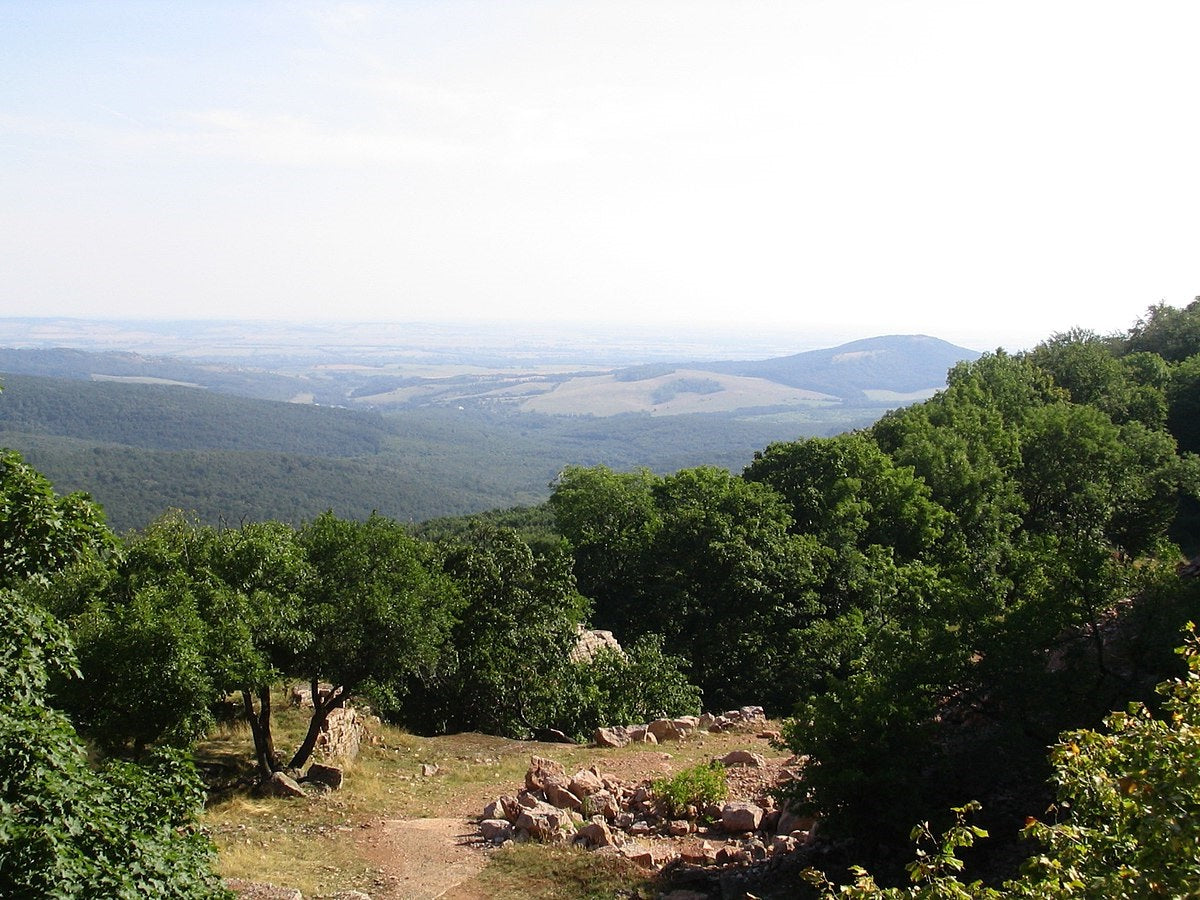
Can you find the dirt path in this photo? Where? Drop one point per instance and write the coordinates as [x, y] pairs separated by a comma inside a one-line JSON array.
[[424, 859]]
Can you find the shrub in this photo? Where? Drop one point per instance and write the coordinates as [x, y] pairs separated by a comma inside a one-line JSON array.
[[698, 786]]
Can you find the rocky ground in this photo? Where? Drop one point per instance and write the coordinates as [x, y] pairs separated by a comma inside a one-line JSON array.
[[443, 853]]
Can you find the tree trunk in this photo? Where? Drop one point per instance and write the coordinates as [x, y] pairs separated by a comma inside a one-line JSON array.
[[260, 728], [321, 711]]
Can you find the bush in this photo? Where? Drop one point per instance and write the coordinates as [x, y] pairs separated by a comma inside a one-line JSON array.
[[67, 831], [698, 786]]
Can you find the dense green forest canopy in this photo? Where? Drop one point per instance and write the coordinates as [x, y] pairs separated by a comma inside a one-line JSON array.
[[930, 602], [140, 449]]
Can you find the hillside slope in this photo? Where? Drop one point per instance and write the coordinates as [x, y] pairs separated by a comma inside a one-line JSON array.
[[895, 364]]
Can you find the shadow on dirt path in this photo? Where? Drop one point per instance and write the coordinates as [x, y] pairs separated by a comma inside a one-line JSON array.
[[424, 859]]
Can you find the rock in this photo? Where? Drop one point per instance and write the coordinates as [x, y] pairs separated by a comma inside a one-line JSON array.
[[648, 857], [790, 822], [783, 843], [342, 733], [585, 782], [770, 822], [330, 776], [664, 730], [496, 830], [732, 856], [611, 737], [280, 785], [757, 850], [595, 834], [604, 803], [540, 770], [744, 758], [560, 795], [506, 808], [679, 828], [701, 854], [350, 895], [543, 822], [528, 799], [588, 643], [737, 817], [428, 770], [495, 810], [511, 807]]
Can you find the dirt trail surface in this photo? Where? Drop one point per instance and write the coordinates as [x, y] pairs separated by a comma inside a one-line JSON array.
[[423, 859]]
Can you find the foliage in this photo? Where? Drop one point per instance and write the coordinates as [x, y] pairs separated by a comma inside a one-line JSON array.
[[1130, 795], [67, 831], [640, 685], [1166, 331], [533, 524], [701, 557], [697, 786], [40, 531], [142, 449], [378, 611]]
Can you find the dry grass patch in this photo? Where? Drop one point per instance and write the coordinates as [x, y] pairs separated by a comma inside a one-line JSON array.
[[540, 872]]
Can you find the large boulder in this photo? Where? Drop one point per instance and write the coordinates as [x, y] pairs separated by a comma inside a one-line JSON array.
[[280, 785], [615, 737], [588, 643], [496, 830], [664, 730], [330, 776], [738, 817], [744, 758], [540, 771], [585, 782]]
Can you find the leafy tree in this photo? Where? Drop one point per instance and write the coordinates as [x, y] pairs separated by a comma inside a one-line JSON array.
[[943, 659], [728, 584], [67, 831], [378, 611], [509, 650], [1129, 794], [610, 519], [1167, 331], [41, 532]]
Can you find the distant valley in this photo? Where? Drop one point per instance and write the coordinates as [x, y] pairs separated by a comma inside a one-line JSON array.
[[287, 435]]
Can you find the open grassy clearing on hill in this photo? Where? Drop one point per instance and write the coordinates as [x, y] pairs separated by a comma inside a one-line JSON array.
[[396, 834]]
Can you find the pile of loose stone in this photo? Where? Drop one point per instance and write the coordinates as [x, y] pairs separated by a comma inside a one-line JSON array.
[[599, 812]]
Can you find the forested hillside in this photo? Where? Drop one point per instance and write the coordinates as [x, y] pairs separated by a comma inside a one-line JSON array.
[[930, 602], [140, 449]]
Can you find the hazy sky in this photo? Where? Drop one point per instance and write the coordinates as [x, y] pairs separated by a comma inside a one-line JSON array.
[[988, 172]]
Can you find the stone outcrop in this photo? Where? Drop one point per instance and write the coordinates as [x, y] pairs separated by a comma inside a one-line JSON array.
[[588, 643]]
